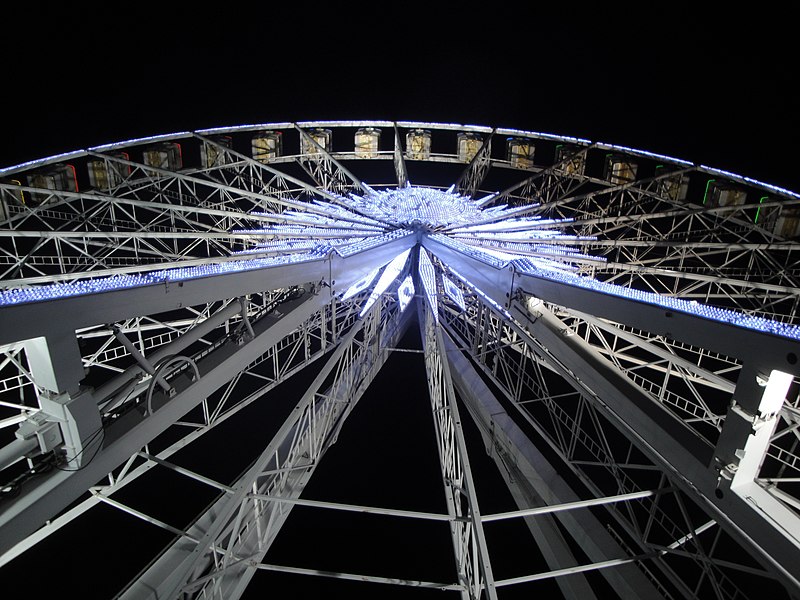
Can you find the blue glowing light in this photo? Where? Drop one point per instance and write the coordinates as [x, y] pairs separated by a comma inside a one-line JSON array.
[[427, 275], [411, 207], [453, 292], [389, 275], [499, 236], [774, 188], [360, 285], [119, 282], [405, 293], [292, 245], [691, 307], [672, 159]]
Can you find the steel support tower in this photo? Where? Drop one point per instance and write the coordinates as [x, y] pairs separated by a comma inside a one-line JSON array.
[[619, 326]]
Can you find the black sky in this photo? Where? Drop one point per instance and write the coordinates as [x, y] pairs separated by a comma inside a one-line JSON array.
[[677, 83], [711, 89]]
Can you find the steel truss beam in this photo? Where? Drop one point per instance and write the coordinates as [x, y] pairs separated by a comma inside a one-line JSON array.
[[636, 209], [469, 542], [280, 361], [126, 435], [34, 319], [260, 178], [575, 430], [176, 194], [656, 241], [506, 355], [196, 188], [159, 214], [665, 370], [551, 183], [535, 482], [694, 466], [764, 351], [747, 287], [221, 551], [678, 426], [399, 160], [56, 321], [612, 198], [472, 177], [325, 170]]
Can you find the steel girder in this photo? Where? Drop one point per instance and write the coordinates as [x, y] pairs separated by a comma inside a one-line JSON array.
[[550, 185], [698, 468], [125, 436], [658, 241], [398, 158], [55, 322], [584, 440], [469, 182], [290, 355], [469, 541], [329, 174], [700, 375], [715, 254], [139, 223], [219, 553], [535, 482], [35, 319]]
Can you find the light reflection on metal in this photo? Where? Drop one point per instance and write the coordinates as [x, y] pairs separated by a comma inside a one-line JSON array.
[[721, 315], [405, 293], [484, 296], [453, 292], [679, 161], [389, 275], [428, 277], [360, 285], [557, 271]]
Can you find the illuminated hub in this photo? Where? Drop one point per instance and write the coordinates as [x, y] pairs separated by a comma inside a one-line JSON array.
[[482, 232], [499, 236], [417, 207]]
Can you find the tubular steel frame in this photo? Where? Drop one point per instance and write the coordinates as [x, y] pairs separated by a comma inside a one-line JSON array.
[[657, 450]]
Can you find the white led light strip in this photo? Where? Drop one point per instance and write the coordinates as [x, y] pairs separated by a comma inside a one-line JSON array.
[[390, 273]]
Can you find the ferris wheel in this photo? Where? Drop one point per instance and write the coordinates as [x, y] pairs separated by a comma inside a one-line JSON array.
[[620, 328]]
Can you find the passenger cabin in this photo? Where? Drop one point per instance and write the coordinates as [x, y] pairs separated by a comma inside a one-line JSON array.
[[57, 178], [367, 142], [314, 140], [619, 169], [520, 153], [107, 173], [468, 146], [571, 160], [418, 144], [266, 145], [212, 152], [166, 155]]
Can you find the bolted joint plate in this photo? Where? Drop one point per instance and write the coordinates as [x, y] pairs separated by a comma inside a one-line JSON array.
[[79, 419]]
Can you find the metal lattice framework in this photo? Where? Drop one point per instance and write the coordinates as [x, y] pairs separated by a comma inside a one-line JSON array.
[[620, 326]]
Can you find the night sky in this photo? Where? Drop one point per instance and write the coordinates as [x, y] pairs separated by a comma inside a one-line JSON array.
[[715, 91], [712, 92]]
